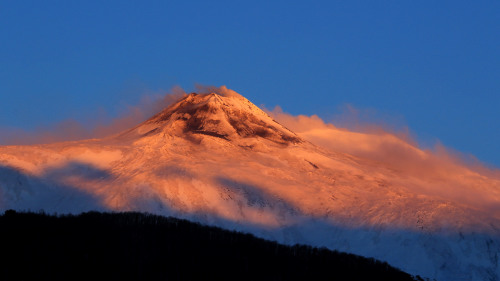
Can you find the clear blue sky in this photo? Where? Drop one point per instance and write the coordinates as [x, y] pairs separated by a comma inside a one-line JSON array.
[[432, 65]]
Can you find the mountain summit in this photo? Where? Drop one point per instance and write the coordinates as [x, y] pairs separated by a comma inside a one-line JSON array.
[[216, 158], [230, 118]]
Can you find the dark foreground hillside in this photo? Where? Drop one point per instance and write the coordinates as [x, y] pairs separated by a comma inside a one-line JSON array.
[[135, 246]]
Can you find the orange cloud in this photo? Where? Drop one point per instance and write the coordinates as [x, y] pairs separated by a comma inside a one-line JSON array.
[[222, 90], [437, 171], [102, 126]]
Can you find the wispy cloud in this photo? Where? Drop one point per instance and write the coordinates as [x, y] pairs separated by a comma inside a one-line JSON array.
[[94, 127], [436, 171]]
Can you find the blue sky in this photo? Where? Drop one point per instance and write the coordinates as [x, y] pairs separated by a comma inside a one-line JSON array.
[[433, 66]]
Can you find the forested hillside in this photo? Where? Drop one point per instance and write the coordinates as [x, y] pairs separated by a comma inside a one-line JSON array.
[[93, 246]]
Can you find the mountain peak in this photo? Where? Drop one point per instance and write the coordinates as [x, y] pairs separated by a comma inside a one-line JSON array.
[[229, 117]]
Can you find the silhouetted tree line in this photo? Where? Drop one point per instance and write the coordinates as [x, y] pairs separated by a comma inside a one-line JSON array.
[[137, 246]]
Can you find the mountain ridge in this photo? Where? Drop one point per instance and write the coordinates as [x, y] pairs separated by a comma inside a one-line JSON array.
[[218, 159]]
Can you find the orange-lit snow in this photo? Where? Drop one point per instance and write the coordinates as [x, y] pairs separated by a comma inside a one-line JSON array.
[[219, 159]]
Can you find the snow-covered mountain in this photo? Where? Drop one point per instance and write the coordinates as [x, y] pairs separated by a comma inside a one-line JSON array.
[[218, 159]]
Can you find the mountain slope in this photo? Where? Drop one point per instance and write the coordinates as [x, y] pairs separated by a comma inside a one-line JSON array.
[[219, 159]]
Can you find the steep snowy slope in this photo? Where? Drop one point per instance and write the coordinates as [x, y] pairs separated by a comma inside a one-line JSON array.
[[219, 159]]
